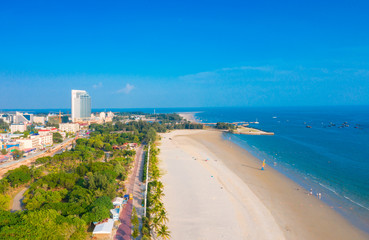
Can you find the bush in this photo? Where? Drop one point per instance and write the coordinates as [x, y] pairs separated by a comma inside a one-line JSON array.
[[4, 185], [135, 233], [57, 137], [19, 176], [4, 202]]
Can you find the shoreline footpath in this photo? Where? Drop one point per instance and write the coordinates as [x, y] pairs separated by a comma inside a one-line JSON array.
[[258, 204]]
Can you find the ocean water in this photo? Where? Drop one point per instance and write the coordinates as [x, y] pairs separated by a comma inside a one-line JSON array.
[[331, 157]]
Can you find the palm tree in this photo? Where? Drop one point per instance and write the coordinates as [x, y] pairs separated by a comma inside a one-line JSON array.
[[163, 232], [154, 199], [160, 192], [157, 208], [156, 174], [159, 185], [155, 224], [162, 216]]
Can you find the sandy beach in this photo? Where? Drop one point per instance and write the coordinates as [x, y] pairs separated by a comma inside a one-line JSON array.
[[189, 116], [216, 190]]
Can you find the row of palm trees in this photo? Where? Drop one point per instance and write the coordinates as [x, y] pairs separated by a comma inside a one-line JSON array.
[[156, 219]]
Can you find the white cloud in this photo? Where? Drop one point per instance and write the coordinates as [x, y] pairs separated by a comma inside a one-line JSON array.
[[263, 69], [99, 85], [127, 89], [199, 77], [228, 73]]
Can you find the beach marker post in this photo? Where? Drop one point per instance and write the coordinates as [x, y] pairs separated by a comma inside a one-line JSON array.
[[262, 166]]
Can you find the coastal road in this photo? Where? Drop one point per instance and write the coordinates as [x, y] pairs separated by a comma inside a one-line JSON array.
[[28, 160], [134, 187]]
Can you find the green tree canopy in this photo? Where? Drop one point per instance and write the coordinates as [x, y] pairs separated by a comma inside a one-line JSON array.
[[3, 125], [19, 176], [57, 137]]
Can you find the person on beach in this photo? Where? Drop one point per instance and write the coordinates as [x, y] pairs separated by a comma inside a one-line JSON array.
[[262, 167], [311, 191]]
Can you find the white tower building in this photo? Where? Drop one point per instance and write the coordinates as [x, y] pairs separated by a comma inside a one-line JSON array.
[[81, 105]]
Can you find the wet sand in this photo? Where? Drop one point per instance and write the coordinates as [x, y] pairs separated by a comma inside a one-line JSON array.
[[215, 190]]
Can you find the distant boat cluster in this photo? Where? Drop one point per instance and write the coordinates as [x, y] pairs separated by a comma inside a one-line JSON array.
[[342, 125]]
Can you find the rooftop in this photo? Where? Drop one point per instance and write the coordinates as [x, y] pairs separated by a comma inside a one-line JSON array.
[[104, 228]]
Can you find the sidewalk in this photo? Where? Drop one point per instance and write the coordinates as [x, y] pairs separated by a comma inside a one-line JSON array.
[[134, 187]]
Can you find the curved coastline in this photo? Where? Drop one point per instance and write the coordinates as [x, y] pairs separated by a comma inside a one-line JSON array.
[[302, 206], [329, 196]]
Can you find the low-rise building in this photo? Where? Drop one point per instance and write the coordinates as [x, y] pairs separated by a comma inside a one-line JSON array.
[[102, 115], [110, 114], [18, 128], [108, 119], [8, 118], [115, 213], [46, 140], [35, 141], [39, 120], [46, 131], [69, 127], [104, 229], [25, 143], [10, 146]]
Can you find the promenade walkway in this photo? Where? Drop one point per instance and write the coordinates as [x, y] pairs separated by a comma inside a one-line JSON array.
[[134, 187]]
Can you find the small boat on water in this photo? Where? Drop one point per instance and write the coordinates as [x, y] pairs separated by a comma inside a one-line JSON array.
[[307, 126]]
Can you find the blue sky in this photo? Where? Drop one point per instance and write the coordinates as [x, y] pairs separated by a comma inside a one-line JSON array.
[[130, 54]]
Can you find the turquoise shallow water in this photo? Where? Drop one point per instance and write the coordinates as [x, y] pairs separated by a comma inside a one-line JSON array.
[[331, 157]]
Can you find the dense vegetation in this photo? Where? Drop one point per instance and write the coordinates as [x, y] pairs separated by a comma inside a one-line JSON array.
[[227, 126], [57, 137], [3, 125], [68, 191], [17, 154], [156, 215], [163, 122]]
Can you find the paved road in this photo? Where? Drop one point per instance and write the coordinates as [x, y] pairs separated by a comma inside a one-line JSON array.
[[27, 161], [17, 201], [9, 163], [134, 186]]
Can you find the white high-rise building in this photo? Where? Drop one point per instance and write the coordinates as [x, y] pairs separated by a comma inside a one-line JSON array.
[[81, 105]]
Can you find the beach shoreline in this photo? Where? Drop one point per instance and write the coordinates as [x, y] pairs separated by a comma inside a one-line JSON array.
[[189, 116], [262, 202]]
